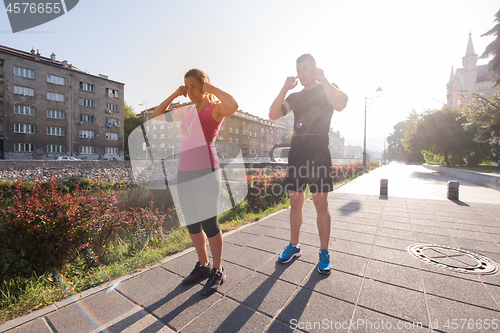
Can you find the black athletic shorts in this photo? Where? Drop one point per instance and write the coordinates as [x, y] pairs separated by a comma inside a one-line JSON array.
[[309, 168], [196, 204]]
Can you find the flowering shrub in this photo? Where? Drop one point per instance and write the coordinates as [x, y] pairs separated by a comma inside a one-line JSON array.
[[265, 189], [43, 228]]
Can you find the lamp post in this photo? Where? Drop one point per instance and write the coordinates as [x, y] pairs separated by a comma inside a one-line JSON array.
[[144, 103], [379, 93]]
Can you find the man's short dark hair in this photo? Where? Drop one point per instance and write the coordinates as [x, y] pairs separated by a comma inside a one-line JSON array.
[[307, 56]]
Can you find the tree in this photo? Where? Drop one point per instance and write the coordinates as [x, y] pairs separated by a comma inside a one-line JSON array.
[[441, 136], [484, 115], [494, 49], [396, 149], [132, 121]]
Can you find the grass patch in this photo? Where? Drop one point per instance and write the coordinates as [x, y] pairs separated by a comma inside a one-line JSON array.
[[485, 169]]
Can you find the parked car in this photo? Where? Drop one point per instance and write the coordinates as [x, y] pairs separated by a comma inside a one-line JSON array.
[[68, 158]]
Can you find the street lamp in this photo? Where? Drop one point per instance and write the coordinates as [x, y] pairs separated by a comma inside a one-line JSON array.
[[379, 93]]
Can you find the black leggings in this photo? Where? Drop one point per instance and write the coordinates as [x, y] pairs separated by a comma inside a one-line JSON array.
[[200, 199]]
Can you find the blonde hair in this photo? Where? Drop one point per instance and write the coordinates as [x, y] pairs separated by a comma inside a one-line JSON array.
[[201, 77]]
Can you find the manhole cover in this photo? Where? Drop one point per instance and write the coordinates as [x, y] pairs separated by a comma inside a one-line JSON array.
[[455, 259]]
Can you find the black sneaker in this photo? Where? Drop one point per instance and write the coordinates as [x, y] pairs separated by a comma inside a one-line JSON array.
[[199, 273], [215, 280]]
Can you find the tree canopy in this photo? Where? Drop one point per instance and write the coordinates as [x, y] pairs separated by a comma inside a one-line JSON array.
[[132, 121], [494, 49]]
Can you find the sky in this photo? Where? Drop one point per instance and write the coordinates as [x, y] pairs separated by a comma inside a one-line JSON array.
[[249, 48]]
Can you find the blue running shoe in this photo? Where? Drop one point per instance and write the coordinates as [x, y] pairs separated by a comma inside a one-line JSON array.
[[324, 265], [289, 253]]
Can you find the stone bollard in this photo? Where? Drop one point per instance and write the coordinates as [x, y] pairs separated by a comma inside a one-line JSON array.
[[453, 186], [384, 185]]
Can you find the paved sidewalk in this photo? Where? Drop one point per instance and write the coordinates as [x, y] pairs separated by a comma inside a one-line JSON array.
[[376, 284]]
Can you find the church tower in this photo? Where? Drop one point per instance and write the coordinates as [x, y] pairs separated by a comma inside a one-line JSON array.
[[470, 71]]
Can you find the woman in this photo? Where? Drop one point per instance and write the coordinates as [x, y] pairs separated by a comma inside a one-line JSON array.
[[197, 161]]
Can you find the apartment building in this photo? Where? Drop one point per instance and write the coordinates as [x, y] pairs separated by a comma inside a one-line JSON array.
[[50, 108], [242, 131]]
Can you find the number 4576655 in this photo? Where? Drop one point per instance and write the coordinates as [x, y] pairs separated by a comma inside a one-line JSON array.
[[23, 7]]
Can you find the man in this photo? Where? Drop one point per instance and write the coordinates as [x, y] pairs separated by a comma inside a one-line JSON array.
[[309, 160]]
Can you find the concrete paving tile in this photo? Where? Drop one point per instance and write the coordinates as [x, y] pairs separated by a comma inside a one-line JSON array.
[[348, 263], [367, 215], [28, 317], [82, 316], [293, 272], [182, 266], [357, 237], [277, 326], [494, 291], [38, 325], [366, 320], [263, 292], [420, 237], [430, 230], [367, 229], [310, 253], [307, 238], [274, 223], [477, 246], [452, 316], [269, 231], [393, 218], [403, 276], [394, 243], [228, 316], [337, 284], [395, 225], [398, 257], [307, 308], [471, 235], [246, 256], [261, 242], [396, 233], [370, 221], [395, 301], [491, 230], [350, 247], [454, 288]]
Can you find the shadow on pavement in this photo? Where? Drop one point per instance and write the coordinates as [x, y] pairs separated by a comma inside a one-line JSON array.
[[239, 317], [350, 207]]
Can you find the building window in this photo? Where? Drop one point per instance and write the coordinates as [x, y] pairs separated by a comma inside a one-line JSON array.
[[24, 147], [55, 149], [24, 72], [178, 124], [86, 102], [220, 137], [55, 79], [230, 130], [230, 140], [25, 110], [111, 151], [237, 131], [55, 114], [255, 134], [178, 136], [86, 150], [112, 121], [57, 131], [86, 86], [111, 93], [86, 118], [86, 134], [162, 136], [55, 97], [237, 141], [111, 136], [23, 128], [221, 127], [111, 107], [23, 91], [162, 126]]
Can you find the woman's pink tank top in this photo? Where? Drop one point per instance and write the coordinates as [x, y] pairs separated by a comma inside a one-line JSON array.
[[200, 131]]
